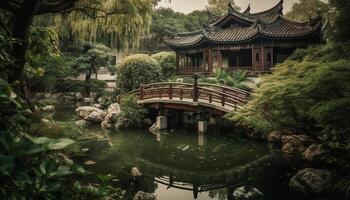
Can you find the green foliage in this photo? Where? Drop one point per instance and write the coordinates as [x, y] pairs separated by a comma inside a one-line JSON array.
[[131, 111], [342, 26], [165, 21], [96, 56], [135, 70], [35, 167], [45, 66], [236, 79], [309, 94], [304, 9], [220, 7], [120, 24], [167, 61], [96, 86]]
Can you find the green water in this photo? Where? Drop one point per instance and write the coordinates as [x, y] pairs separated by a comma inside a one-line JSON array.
[[182, 164]]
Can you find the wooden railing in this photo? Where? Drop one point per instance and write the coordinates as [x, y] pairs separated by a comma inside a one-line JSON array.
[[206, 93]]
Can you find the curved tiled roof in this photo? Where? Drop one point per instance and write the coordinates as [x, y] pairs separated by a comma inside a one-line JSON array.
[[236, 27]]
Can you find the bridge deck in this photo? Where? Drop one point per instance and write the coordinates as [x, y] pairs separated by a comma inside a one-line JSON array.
[[189, 102], [217, 98]]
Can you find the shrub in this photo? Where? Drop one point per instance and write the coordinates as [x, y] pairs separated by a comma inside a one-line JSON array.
[[96, 86], [309, 95], [135, 70], [167, 62], [131, 111]]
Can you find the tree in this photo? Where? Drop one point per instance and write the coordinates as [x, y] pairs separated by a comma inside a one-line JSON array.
[[135, 70], [167, 62], [23, 12], [221, 7], [166, 22], [95, 56], [304, 9], [342, 25]]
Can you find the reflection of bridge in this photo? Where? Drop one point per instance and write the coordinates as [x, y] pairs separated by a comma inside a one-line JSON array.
[[193, 97]]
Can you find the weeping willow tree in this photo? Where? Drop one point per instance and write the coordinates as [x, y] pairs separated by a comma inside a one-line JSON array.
[[117, 23]]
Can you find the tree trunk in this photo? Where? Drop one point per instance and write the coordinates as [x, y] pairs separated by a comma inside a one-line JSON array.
[[88, 81], [24, 19]]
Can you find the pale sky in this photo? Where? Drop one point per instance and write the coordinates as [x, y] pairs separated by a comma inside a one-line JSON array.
[[187, 6]]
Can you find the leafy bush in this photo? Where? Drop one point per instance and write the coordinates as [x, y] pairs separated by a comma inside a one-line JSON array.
[[35, 167], [135, 70], [96, 86], [309, 95], [236, 79], [131, 111], [167, 61]]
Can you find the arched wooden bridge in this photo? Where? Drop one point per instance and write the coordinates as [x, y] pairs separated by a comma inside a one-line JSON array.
[[194, 97]]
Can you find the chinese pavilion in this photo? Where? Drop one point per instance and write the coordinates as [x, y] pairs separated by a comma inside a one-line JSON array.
[[243, 40]]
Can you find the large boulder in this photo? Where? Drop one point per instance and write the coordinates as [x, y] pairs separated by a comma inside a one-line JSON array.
[[92, 114], [113, 113], [144, 196], [247, 193], [311, 182], [274, 137], [304, 139], [48, 108], [293, 144], [314, 153], [96, 116]]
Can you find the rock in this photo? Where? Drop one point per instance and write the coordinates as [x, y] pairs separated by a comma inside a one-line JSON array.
[[45, 121], [311, 182], [293, 144], [274, 137], [245, 193], [84, 111], [82, 122], [293, 148], [314, 153], [144, 196], [48, 108], [304, 139], [88, 100], [79, 96], [135, 172], [97, 106], [113, 113], [91, 114], [96, 116]]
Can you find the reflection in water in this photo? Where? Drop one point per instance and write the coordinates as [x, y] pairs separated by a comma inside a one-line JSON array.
[[201, 139], [184, 164], [206, 165]]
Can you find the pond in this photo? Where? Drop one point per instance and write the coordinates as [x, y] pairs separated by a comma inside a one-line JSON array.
[[184, 165]]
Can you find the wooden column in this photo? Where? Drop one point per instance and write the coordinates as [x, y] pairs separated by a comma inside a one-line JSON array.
[[263, 57], [219, 58], [195, 88], [177, 62], [210, 62], [253, 59]]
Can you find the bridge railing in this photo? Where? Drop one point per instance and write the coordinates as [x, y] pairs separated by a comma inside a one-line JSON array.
[[209, 93]]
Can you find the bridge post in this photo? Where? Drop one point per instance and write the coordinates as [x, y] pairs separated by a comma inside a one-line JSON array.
[[195, 88], [202, 123], [141, 92], [162, 120], [170, 91]]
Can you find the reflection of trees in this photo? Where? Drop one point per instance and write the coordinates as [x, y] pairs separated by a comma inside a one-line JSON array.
[[220, 193]]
